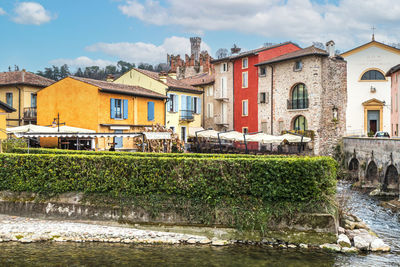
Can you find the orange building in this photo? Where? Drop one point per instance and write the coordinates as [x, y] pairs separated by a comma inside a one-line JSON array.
[[100, 106]]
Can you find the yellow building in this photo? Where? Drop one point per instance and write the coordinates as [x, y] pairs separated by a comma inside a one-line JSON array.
[[101, 106], [183, 109], [19, 90], [4, 111]]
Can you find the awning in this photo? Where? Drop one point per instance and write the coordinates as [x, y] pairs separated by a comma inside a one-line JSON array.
[[263, 138], [78, 135], [232, 136], [192, 131], [157, 135], [30, 128], [208, 134], [291, 138], [69, 129]]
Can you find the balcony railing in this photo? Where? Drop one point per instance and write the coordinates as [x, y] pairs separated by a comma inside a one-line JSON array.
[[186, 115], [30, 113], [297, 103]]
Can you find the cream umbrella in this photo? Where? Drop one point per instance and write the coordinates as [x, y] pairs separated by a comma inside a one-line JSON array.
[[291, 138]]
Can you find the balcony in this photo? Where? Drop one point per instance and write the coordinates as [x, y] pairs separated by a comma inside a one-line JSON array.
[[297, 103], [30, 114], [186, 115]]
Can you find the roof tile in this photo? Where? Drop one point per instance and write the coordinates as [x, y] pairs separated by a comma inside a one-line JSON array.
[[24, 78]]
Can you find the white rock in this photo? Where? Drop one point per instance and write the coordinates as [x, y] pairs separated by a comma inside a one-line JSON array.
[[205, 241], [341, 230], [292, 246], [362, 242], [331, 247], [219, 243], [303, 246], [344, 241], [379, 245], [192, 241]]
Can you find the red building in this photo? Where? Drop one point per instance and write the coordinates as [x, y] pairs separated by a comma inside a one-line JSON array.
[[245, 87]]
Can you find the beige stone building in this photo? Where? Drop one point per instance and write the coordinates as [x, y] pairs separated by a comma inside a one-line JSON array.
[[305, 90], [18, 89], [218, 101]]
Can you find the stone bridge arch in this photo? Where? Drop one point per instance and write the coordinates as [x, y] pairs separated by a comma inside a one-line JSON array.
[[354, 167], [371, 173], [391, 180]]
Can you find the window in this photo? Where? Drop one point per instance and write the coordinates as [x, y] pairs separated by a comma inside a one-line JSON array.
[[119, 109], [300, 123], [33, 100], [245, 130], [299, 97], [172, 105], [298, 65], [262, 71], [9, 99], [172, 128], [245, 107], [224, 87], [245, 63], [224, 67], [210, 91], [210, 110], [150, 111], [197, 105], [373, 75], [244, 80], [263, 97], [183, 134], [224, 113]]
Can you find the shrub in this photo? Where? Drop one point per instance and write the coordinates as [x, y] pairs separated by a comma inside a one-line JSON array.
[[9, 145], [135, 154]]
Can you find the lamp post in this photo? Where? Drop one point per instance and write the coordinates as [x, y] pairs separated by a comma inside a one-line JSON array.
[[56, 122]]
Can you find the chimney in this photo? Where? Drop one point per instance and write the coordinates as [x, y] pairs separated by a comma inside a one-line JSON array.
[[163, 76], [172, 75], [330, 48], [110, 78], [23, 75]]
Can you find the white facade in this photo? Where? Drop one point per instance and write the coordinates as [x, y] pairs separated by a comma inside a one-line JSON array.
[[376, 56]]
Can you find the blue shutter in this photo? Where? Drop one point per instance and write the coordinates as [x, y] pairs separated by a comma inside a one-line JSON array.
[[198, 105], [112, 108], [189, 103], [183, 106], [150, 111], [176, 103], [125, 116], [169, 103]]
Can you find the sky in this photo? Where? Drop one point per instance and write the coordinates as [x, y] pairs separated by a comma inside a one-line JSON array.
[[40, 33]]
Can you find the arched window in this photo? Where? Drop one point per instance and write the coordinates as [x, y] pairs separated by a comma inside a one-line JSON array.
[[300, 123], [373, 75], [299, 97]]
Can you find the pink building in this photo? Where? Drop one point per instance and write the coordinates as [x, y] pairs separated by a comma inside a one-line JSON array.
[[394, 74]]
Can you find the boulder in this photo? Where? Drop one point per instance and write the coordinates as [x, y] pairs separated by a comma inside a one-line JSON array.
[[344, 241], [349, 250], [219, 243], [379, 245], [362, 242], [341, 230], [331, 247]]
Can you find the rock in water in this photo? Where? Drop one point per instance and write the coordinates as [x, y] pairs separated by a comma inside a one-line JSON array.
[[361, 242], [331, 247], [349, 250], [379, 245], [344, 241]]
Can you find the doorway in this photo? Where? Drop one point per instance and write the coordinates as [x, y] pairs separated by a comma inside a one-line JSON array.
[[373, 121], [119, 141]]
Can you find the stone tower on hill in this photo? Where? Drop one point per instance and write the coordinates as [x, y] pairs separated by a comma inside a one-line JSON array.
[[198, 62]]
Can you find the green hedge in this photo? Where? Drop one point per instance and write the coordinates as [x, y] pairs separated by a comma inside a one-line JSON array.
[[206, 179], [135, 154]]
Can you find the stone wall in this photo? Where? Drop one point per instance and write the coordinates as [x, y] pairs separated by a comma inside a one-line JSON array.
[[325, 80]]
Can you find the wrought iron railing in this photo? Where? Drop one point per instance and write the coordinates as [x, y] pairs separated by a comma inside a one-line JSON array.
[[30, 113], [297, 103], [186, 115]]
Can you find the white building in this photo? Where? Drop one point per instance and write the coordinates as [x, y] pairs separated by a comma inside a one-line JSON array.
[[368, 90]]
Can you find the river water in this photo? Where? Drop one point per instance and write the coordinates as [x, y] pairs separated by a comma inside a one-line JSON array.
[[381, 221]]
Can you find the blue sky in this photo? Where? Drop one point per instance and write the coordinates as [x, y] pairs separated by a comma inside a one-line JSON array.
[[40, 33]]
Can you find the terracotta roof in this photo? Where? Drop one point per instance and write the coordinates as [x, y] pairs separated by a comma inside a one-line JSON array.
[[393, 70], [309, 51], [199, 79], [24, 78], [252, 52], [6, 107], [171, 82], [118, 88]]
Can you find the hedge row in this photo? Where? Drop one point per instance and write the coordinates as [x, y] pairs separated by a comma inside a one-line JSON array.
[[135, 154], [208, 180]]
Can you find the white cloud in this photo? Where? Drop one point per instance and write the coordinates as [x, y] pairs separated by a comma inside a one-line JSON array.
[[2, 12], [31, 13], [82, 62], [347, 22], [146, 52]]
